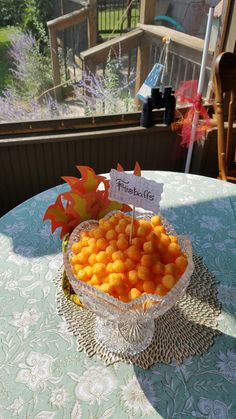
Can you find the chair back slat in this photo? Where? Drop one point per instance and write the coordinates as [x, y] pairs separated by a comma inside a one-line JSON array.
[[225, 79]]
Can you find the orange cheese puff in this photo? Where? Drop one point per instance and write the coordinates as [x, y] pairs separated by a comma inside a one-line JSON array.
[[149, 247], [109, 267], [167, 257], [149, 286], [164, 240], [102, 257], [98, 233], [133, 252], [122, 243], [107, 225], [134, 293], [95, 280], [174, 249], [144, 273], [148, 260], [170, 268], [118, 266], [161, 290], [92, 259], [81, 275], [111, 235], [137, 241], [116, 280], [111, 249], [156, 220], [77, 268], [99, 269], [173, 239], [181, 264], [88, 271], [106, 288], [132, 277], [102, 243], [82, 258], [139, 285], [159, 229], [118, 215], [128, 229], [75, 247], [158, 268], [142, 231], [118, 255], [168, 281], [129, 264], [124, 298], [120, 228]]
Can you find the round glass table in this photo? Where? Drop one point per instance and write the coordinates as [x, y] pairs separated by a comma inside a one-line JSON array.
[[42, 375]]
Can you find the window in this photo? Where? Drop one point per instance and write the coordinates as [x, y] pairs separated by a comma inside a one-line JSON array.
[[77, 58]]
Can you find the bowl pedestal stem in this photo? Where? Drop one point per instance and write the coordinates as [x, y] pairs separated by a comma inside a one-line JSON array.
[[130, 338]]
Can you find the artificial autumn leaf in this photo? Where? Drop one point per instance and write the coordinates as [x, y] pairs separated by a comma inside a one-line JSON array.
[[89, 179], [113, 206], [119, 168], [76, 206], [56, 214], [137, 169], [73, 182], [87, 199]]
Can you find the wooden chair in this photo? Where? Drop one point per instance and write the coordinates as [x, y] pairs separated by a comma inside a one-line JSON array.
[[225, 82]]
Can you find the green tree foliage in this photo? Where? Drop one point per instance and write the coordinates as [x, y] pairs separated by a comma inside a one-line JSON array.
[[30, 15], [36, 15], [11, 12]]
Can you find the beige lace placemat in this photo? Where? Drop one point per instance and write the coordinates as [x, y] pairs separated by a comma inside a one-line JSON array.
[[187, 329]]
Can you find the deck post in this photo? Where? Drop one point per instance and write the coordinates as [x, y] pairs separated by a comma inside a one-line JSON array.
[[147, 13], [55, 62], [92, 23]]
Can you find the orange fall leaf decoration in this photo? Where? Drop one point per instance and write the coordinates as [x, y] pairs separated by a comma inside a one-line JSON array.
[[87, 199]]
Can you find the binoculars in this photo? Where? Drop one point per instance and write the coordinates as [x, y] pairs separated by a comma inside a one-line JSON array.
[[159, 100]]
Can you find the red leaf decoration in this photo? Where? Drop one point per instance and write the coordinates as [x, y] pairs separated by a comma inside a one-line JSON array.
[[58, 217]]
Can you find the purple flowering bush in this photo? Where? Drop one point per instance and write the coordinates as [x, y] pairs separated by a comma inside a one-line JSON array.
[[31, 76], [31, 69], [15, 108], [29, 96], [107, 92]]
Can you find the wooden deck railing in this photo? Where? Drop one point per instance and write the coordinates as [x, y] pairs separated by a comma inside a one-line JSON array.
[[184, 56], [74, 18]]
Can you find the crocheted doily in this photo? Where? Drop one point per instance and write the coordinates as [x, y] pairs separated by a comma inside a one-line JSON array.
[[187, 329]]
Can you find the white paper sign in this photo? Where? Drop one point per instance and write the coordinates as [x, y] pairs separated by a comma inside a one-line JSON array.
[[135, 190]]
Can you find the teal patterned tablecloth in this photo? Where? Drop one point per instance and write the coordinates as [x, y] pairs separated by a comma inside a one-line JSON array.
[[42, 376]]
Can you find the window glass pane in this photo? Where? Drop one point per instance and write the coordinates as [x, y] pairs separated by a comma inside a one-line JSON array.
[[47, 70], [187, 16]]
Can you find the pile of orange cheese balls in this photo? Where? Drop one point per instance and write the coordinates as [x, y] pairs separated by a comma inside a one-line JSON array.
[[150, 263]]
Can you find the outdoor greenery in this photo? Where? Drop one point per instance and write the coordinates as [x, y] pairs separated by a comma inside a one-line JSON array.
[[111, 19], [31, 70], [5, 74], [26, 83], [36, 15], [11, 12], [30, 75], [29, 15], [109, 92]]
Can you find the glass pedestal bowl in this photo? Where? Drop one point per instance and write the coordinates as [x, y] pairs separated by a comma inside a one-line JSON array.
[[126, 327]]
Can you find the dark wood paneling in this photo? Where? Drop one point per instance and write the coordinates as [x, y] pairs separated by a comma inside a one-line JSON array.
[[30, 165]]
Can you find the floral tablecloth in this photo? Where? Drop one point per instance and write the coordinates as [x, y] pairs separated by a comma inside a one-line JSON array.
[[42, 376]]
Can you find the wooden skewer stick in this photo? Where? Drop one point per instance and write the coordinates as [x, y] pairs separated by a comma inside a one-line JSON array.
[[132, 225]]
